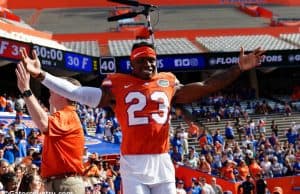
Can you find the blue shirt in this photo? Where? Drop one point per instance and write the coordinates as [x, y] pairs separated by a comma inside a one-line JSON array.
[[195, 189], [218, 138], [297, 167], [176, 157], [9, 154], [229, 131], [22, 145], [118, 137], [117, 183]]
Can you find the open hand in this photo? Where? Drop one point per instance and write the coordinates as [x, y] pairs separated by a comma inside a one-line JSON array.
[[33, 66], [23, 77], [250, 60]]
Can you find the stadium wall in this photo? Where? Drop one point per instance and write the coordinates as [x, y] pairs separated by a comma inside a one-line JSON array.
[[290, 185], [34, 4], [186, 174]]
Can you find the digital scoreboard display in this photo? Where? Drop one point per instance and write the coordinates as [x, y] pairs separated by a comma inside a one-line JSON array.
[[78, 62], [49, 57], [107, 65], [10, 49], [71, 61]]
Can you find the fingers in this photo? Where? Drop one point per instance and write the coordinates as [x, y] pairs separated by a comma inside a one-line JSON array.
[[242, 53], [17, 73], [20, 76], [261, 53], [34, 54], [22, 69], [258, 52], [23, 54]]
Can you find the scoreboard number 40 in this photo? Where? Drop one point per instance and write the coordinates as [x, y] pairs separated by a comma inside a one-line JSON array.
[[107, 65]]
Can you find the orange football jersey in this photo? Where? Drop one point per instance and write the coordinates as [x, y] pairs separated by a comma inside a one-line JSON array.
[[142, 109]]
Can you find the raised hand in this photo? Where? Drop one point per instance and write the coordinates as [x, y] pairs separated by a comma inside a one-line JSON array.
[[250, 60], [32, 65], [23, 78]]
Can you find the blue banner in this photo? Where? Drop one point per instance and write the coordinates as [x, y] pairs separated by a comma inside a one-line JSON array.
[[170, 63], [78, 62]]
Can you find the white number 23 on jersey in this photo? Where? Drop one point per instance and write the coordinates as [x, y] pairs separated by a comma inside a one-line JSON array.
[[159, 97]]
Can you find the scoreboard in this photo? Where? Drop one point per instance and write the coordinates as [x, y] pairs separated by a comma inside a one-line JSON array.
[[51, 57], [77, 62], [10, 49]]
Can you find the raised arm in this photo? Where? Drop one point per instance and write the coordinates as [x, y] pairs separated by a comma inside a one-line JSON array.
[[38, 115], [194, 91], [90, 96]]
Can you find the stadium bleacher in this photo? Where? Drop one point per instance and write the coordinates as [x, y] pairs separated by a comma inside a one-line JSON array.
[[163, 46], [293, 38], [84, 47], [250, 42]]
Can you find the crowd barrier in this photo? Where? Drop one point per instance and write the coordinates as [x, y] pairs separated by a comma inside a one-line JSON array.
[[186, 174], [290, 185]]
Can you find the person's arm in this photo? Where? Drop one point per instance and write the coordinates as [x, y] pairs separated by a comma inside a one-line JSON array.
[[38, 115], [90, 96], [193, 91]]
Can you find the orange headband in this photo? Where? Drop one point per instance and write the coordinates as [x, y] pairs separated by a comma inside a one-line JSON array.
[[143, 51]]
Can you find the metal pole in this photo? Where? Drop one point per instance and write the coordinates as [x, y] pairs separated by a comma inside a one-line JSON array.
[[149, 26]]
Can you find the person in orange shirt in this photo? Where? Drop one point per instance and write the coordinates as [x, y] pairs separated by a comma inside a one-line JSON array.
[[62, 155], [227, 171], [254, 169], [193, 130], [91, 166], [142, 102], [204, 166], [202, 139], [243, 170]]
